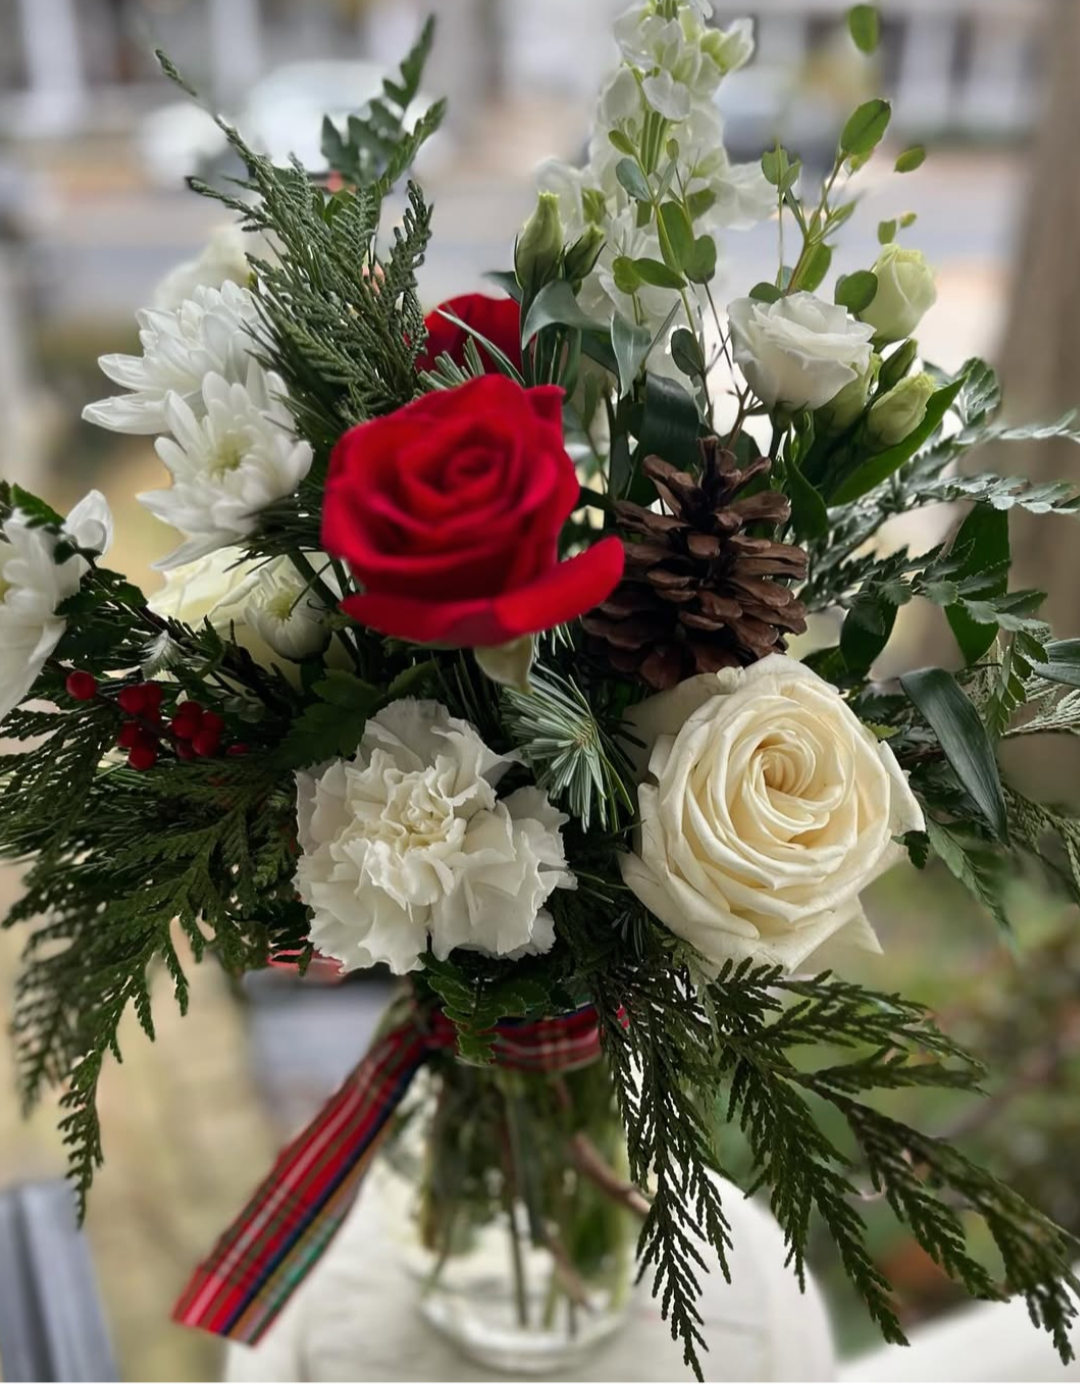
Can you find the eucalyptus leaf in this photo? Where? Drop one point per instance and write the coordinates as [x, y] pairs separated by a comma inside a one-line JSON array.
[[677, 238], [700, 267], [657, 274], [766, 292], [886, 232], [816, 267], [633, 180], [865, 129], [911, 159], [864, 24], [963, 739]]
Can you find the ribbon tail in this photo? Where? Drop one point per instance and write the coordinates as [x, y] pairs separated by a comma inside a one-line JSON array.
[[295, 1212]]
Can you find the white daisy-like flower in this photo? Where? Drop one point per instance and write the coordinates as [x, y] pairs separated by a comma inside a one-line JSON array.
[[223, 260], [267, 607], [228, 462], [408, 847], [212, 332], [33, 585]]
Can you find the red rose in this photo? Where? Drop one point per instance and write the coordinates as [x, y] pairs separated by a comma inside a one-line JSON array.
[[498, 319], [449, 512]]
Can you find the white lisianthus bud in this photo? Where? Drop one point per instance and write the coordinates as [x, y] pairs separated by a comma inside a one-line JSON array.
[[840, 413], [896, 415], [767, 807], [906, 292], [536, 256], [800, 351]]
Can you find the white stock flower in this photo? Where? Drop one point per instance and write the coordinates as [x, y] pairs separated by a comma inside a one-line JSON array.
[[731, 48], [209, 333], [799, 351], [222, 260], [230, 460], [905, 293], [33, 585], [265, 606], [768, 808], [666, 95], [407, 847]]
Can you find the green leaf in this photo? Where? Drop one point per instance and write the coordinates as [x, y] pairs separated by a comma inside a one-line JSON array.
[[815, 267], [676, 236], [911, 159], [686, 353], [701, 266], [657, 274], [857, 291], [769, 293], [878, 469], [631, 345], [780, 169], [633, 180], [867, 629], [556, 306], [886, 232], [864, 24], [627, 279], [670, 426], [621, 142], [963, 738], [1062, 663], [864, 131], [809, 516], [984, 535]]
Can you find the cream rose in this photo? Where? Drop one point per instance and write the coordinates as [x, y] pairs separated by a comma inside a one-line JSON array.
[[799, 351], [905, 293], [768, 807], [407, 846]]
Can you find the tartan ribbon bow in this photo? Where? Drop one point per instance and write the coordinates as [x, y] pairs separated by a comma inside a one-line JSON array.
[[295, 1212]]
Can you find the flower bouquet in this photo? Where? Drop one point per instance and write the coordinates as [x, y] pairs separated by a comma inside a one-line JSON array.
[[526, 649]]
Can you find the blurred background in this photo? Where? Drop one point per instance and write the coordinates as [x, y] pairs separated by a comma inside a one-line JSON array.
[[94, 146]]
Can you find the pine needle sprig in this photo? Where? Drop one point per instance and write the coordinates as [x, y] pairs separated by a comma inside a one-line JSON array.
[[573, 756]]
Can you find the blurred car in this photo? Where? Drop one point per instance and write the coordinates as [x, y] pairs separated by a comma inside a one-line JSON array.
[[282, 116]]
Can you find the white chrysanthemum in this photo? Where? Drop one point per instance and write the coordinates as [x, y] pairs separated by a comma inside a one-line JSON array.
[[209, 333], [228, 464], [33, 585], [407, 847], [223, 260], [267, 608]]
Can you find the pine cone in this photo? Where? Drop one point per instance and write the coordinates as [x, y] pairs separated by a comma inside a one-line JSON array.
[[699, 593]]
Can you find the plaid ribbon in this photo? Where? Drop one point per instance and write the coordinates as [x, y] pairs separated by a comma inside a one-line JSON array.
[[294, 1213]]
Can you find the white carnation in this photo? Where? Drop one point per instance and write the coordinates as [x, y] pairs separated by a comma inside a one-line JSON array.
[[767, 809], [33, 585], [212, 332], [407, 847], [228, 462], [799, 351]]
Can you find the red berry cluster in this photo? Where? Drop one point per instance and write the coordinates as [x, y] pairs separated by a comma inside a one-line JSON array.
[[193, 732], [139, 736], [198, 733]]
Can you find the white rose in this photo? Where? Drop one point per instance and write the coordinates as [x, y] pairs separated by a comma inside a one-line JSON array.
[[33, 584], [768, 808], [265, 607], [407, 847], [799, 351], [905, 294]]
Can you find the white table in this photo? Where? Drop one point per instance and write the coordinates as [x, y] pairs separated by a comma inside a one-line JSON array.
[[355, 1318]]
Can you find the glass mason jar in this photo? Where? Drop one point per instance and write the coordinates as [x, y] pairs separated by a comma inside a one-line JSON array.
[[522, 1227]]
